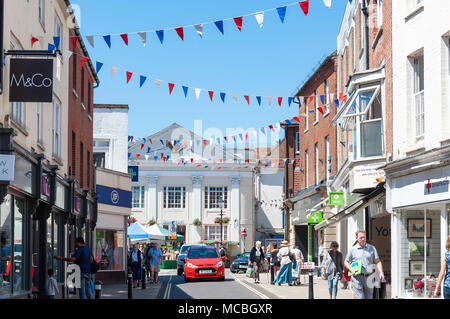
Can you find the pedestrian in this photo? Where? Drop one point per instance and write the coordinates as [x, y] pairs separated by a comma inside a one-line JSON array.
[[51, 286], [332, 268], [367, 256], [300, 260], [256, 257], [286, 258], [156, 257], [444, 274], [275, 260], [147, 262], [346, 279], [83, 258], [268, 256], [320, 254], [135, 260]]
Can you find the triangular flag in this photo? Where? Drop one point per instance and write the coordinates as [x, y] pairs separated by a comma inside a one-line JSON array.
[[247, 98], [222, 96], [142, 146], [240, 136], [98, 66], [90, 39], [129, 155], [83, 60], [320, 110], [199, 29], [282, 13], [143, 36], [185, 90], [124, 37], [226, 139], [341, 96], [51, 47], [107, 39], [322, 99], [160, 34], [211, 93], [142, 80], [167, 157], [258, 98], [66, 56], [311, 99], [345, 98], [74, 42], [336, 102], [235, 98], [271, 127], [219, 25], [132, 138], [305, 6], [137, 156], [260, 18], [246, 135], [157, 84], [290, 99], [155, 158], [180, 32], [129, 75], [296, 118], [238, 21], [171, 85], [148, 149], [33, 41], [280, 100], [56, 41], [197, 92], [269, 100], [146, 157]]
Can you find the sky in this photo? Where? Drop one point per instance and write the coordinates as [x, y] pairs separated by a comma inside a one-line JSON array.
[[270, 61]]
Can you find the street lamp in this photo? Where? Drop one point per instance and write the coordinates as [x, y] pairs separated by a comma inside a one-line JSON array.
[[221, 204]]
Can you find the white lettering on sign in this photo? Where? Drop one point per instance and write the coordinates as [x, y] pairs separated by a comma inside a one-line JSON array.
[[37, 81], [73, 276], [308, 265], [7, 167]]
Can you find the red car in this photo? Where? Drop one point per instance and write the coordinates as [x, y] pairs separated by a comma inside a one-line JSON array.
[[204, 262]]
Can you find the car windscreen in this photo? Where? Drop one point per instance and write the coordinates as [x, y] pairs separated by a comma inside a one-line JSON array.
[[201, 253], [184, 249], [244, 256]]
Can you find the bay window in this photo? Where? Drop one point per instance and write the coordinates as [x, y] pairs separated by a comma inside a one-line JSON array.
[[174, 197]]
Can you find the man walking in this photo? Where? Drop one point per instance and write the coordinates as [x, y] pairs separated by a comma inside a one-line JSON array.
[[367, 256], [156, 257], [83, 258]]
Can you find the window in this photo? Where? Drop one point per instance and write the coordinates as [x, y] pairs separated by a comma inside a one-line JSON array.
[[174, 197], [327, 96], [419, 93], [327, 156], [82, 88], [109, 249], [74, 149], [41, 12], [138, 196], [81, 164], [74, 72], [213, 232], [89, 97], [56, 131], [306, 116], [297, 143], [212, 196], [101, 143], [39, 123], [99, 160], [316, 113], [58, 31], [306, 168], [88, 167], [316, 147], [17, 109], [380, 13]]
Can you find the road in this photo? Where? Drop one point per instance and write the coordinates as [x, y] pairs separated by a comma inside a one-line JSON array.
[[174, 287]]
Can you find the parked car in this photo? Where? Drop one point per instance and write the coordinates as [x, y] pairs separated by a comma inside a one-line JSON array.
[[204, 262], [240, 263], [181, 259]]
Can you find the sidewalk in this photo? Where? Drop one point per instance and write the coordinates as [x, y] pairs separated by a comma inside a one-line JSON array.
[[295, 292]]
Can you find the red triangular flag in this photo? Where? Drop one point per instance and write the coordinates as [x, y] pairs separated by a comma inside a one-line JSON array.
[[33, 41], [164, 159], [247, 160], [179, 162], [137, 156], [247, 98], [296, 118], [204, 142], [199, 165], [220, 167], [280, 99], [192, 160], [246, 135], [180, 32], [311, 99], [211, 93], [150, 141], [305, 6], [271, 127], [171, 85], [238, 21], [320, 110], [125, 37], [345, 98], [83, 60], [226, 139], [142, 146], [129, 75], [220, 160], [340, 96], [132, 139], [74, 42]]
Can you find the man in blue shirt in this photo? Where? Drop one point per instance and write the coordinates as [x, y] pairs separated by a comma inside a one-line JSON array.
[[156, 256], [83, 258]]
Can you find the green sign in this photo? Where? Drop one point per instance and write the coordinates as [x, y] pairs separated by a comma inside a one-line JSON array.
[[315, 218], [336, 199]]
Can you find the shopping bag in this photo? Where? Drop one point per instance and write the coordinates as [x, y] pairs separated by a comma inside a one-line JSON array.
[[250, 272], [357, 267]]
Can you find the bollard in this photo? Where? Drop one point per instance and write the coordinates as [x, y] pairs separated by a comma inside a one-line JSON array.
[[272, 274], [130, 284], [143, 277], [311, 283], [98, 289]]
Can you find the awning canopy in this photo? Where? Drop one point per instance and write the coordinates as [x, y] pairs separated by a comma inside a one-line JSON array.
[[136, 231], [161, 231], [225, 242]]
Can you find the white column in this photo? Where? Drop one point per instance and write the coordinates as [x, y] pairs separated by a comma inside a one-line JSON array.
[[444, 227], [152, 204], [235, 209], [196, 207]]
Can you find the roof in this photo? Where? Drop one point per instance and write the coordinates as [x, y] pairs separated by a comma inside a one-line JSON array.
[[111, 106]]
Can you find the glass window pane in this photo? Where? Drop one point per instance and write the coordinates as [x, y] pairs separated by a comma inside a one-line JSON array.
[[371, 143], [19, 256], [5, 246]]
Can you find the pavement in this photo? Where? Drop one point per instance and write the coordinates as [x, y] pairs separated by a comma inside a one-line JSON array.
[[121, 291]]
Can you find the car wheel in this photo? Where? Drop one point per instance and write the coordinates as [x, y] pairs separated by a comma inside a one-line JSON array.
[[180, 272], [186, 279], [233, 271]]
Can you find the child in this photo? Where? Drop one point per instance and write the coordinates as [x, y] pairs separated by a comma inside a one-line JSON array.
[[346, 278], [50, 285]]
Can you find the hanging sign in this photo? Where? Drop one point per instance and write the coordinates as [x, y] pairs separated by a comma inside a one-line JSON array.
[[336, 199], [31, 80], [315, 218], [7, 167], [134, 172], [173, 230]]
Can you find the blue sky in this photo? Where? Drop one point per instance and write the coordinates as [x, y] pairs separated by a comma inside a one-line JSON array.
[[271, 61]]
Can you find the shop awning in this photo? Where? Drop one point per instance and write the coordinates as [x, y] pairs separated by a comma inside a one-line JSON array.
[[225, 242], [161, 231], [352, 209], [136, 231]]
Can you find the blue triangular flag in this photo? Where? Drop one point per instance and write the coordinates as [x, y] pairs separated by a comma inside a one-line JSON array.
[[162, 142], [290, 99], [337, 102], [322, 98], [222, 96], [160, 34], [288, 122], [148, 149], [185, 89], [155, 157], [206, 166], [129, 155], [258, 98], [312, 111], [129, 138], [167, 157], [56, 41], [282, 13], [219, 25], [143, 78], [51, 47], [107, 40], [98, 66], [287, 162]]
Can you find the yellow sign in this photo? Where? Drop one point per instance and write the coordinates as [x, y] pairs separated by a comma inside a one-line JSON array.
[[172, 237]]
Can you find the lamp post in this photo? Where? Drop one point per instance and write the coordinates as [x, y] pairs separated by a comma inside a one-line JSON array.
[[221, 204]]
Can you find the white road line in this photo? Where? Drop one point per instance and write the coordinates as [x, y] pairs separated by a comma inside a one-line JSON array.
[[263, 296], [168, 288]]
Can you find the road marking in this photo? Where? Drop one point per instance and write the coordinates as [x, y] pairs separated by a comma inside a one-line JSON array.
[[260, 294], [168, 289]]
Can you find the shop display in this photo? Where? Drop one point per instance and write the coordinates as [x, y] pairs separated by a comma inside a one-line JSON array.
[[416, 228], [416, 268]]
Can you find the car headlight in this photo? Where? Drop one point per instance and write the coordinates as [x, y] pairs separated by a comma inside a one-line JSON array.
[[191, 265], [220, 263]]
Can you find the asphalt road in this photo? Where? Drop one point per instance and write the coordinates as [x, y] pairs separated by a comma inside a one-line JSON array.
[[174, 287]]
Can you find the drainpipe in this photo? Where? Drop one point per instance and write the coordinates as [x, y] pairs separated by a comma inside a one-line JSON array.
[[2, 9], [365, 11]]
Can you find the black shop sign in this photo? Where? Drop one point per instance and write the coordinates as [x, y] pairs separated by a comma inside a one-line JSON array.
[[31, 80]]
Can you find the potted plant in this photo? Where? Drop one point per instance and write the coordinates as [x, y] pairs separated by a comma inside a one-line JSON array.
[[219, 220], [131, 220], [197, 222], [151, 222]]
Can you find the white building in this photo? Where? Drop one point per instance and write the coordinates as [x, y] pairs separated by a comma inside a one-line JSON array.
[[417, 181], [182, 177]]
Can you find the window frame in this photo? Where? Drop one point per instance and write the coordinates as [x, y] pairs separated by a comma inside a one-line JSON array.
[[212, 232], [216, 190], [17, 109], [419, 129], [139, 202], [178, 193], [56, 132], [41, 12]]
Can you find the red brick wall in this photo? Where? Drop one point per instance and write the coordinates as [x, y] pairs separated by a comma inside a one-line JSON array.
[[79, 121], [291, 176]]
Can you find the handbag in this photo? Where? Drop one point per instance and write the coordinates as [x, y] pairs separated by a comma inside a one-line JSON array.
[[250, 272], [329, 265], [94, 265]]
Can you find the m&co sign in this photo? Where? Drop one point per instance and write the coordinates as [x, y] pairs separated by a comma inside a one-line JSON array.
[[31, 80]]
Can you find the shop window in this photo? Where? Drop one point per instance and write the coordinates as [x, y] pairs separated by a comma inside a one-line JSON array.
[[54, 245], [109, 249], [5, 247]]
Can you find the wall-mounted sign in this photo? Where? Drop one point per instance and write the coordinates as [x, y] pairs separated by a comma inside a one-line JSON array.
[[77, 204], [173, 230], [436, 186], [31, 80], [7, 167], [113, 196], [336, 199], [315, 218], [45, 186], [134, 172]]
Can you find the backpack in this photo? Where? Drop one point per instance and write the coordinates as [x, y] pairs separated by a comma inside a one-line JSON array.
[[95, 266]]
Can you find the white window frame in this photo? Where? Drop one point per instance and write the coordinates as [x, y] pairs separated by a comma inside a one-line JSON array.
[[355, 95], [306, 115], [327, 154], [212, 232], [316, 151], [297, 143], [380, 14], [316, 113], [56, 129], [179, 197], [216, 189], [306, 169], [138, 202], [17, 109], [419, 110], [327, 97], [41, 12]]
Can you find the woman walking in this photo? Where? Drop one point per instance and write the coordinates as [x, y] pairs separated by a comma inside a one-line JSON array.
[[444, 274], [135, 260], [332, 268], [256, 257], [286, 257]]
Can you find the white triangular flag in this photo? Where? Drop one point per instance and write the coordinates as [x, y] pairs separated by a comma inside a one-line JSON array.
[[90, 39], [235, 98], [41, 40], [199, 29], [278, 126], [113, 71], [197, 92], [269, 100], [260, 18], [67, 55], [331, 98], [158, 84], [256, 133], [327, 3], [146, 157], [143, 36]]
